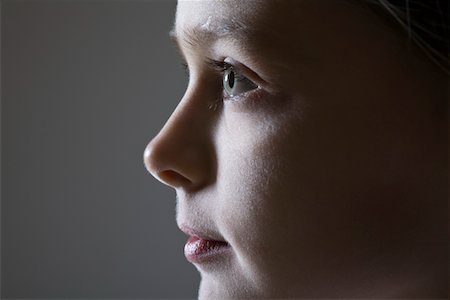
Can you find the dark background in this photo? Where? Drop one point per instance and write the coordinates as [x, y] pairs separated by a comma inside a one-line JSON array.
[[85, 85]]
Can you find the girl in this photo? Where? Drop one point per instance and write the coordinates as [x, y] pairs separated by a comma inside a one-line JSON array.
[[309, 152]]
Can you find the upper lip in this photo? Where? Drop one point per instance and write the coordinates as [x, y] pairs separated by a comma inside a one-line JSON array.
[[202, 234]]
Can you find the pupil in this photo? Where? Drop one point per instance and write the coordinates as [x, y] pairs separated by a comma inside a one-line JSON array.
[[231, 79]]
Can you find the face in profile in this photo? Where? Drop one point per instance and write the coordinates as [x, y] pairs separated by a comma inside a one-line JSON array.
[[308, 153]]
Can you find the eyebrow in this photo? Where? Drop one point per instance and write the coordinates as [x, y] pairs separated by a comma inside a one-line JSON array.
[[207, 33]]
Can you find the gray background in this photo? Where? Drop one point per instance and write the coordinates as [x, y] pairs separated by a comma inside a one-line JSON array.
[[85, 86]]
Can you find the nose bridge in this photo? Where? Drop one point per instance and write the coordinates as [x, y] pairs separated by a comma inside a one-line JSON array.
[[183, 154]]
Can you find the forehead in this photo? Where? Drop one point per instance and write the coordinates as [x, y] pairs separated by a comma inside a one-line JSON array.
[[286, 21], [209, 14], [250, 24], [273, 15]]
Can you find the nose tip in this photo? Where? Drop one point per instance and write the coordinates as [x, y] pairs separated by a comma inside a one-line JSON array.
[[177, 166], [148, 163], [154, 164]]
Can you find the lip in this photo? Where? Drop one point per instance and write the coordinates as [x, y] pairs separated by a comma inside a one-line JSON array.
[[203, 247]]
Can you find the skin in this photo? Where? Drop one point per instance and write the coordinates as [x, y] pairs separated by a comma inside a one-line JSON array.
[[330, 181]]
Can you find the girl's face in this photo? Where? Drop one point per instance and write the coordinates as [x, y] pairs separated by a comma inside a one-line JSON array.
[[311, 140]]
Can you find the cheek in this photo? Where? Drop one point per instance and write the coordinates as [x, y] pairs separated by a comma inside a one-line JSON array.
[[289, 188], [258, 204], [246, 167], [250, 150]]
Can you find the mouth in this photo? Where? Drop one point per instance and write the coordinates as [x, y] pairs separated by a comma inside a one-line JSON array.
[[202, 248]]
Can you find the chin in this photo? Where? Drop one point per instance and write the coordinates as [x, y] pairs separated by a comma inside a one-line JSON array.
[[210, 289], [235, 287]]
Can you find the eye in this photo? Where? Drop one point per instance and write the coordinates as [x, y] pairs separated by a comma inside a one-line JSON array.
[[234, 83]]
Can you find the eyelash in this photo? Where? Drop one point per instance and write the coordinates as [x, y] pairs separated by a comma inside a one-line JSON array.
[[244, 100], [219, 66], [185, 68]]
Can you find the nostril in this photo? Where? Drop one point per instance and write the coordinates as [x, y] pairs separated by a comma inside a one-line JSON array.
[[173, 178]]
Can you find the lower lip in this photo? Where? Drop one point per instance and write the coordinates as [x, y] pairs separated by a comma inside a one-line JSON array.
[[198, 250]]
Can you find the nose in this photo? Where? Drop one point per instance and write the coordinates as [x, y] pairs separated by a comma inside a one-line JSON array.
[[182, 154]]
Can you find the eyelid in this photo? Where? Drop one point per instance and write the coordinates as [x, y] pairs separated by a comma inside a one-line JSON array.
[[251, 75], [219, 65], [228, 63], [222, 65]]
